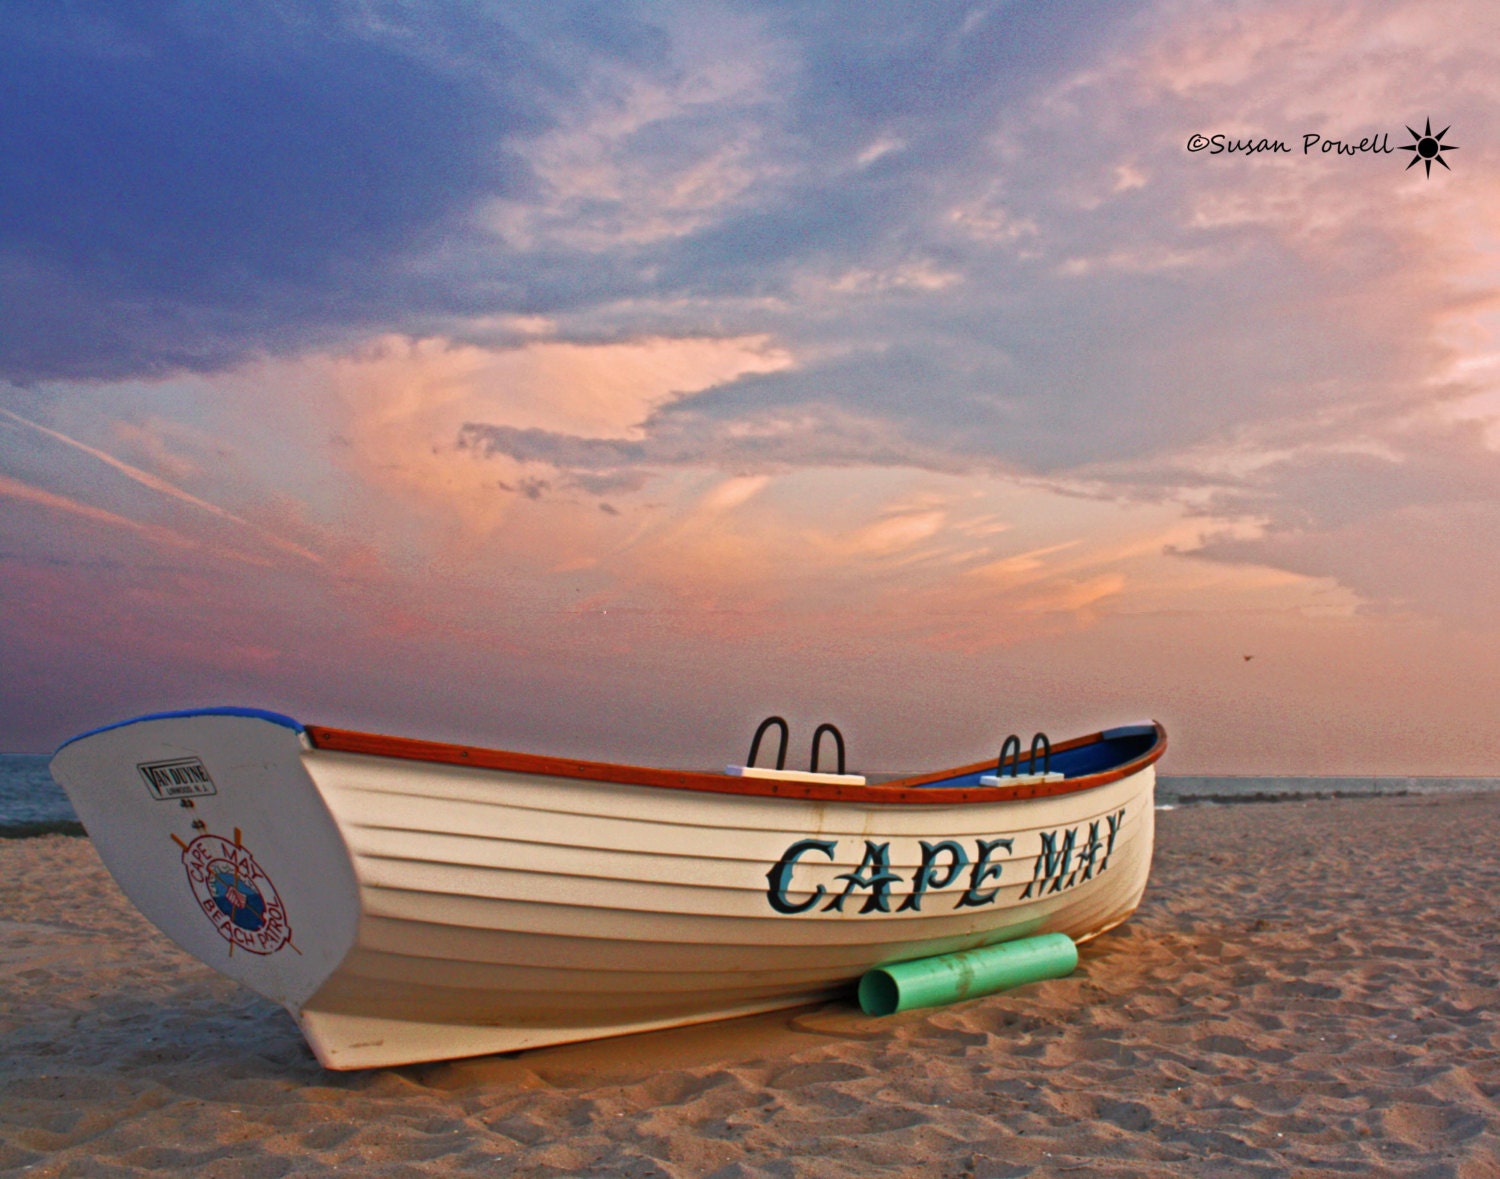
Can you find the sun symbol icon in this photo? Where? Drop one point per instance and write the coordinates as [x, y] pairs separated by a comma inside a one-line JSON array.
[[1428, 147]]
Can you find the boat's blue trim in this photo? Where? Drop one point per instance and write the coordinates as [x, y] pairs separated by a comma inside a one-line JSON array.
[[1144, 729], [275, 718], [1114, 748]]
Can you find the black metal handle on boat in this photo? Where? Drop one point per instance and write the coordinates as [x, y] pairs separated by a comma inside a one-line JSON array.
[[1012, 748], [1041, 739], [838, 741], [1011, 751], [781, 750]]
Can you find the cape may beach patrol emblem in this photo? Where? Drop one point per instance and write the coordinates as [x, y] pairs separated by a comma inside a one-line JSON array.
[[235, 893]]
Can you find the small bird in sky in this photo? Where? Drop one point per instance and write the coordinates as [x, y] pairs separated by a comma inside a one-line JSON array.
[[1248, 658]]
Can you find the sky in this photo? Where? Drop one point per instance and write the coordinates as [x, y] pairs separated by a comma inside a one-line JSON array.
[[598, 379]]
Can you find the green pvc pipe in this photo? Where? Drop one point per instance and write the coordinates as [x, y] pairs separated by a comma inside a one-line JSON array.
[[930, 982]]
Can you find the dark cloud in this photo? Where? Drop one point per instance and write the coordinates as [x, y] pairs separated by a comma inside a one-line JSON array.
[[1407, 522], [1083, 372], [744, 426], [607, 483], [180, 185], [531, 487]]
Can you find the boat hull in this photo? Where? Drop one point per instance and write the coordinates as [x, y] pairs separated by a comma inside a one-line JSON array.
[[438, 910]]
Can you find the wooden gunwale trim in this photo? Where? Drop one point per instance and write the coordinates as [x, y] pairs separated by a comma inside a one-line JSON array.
[[902, 791]]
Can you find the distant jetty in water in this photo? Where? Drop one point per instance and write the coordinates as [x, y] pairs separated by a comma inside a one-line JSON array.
[[1178, 789]]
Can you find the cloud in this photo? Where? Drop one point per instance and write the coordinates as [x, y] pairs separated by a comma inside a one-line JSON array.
[[1065, 293], [1403, 521], [177, 192], [625, 341], [770, 438], [180, 191], [16, 489], [161, 486], [647, 156]]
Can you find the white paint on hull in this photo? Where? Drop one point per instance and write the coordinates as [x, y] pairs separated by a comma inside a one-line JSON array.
[[263, 791], [441, 911]]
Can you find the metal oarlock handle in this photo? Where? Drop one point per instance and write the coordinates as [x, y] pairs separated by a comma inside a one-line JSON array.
[[785, 733], [781, 750], [838, 741], [1011, 751], [1041, 739]]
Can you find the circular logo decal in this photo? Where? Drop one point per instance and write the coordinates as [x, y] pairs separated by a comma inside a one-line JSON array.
[[236, 895]]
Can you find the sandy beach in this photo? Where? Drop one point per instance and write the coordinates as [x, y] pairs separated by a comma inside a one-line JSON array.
[[1308, 986]]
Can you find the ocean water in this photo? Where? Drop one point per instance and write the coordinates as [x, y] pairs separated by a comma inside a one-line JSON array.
[[1178, 789], [31, 803]]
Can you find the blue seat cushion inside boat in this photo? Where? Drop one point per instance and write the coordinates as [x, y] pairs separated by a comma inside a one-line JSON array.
[[1122, 745]]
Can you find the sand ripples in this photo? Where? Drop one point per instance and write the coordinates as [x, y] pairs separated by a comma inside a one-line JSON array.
[[1308, 986]]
